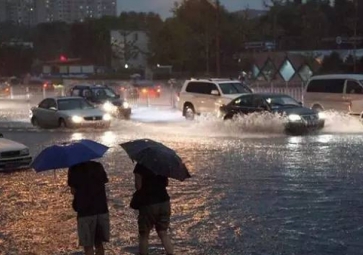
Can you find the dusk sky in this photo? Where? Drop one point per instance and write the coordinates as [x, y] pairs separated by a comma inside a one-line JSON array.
[[163, 6]]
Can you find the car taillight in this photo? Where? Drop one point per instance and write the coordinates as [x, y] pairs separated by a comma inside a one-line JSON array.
[[158, 90], [45, 85]]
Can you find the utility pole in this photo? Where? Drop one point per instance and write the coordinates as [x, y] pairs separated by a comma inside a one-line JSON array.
[[355, 35], [218, 63]]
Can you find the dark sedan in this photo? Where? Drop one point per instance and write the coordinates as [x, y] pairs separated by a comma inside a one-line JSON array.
[[296, 117]]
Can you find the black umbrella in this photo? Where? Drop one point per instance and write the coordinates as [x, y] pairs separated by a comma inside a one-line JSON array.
[[157, 157]]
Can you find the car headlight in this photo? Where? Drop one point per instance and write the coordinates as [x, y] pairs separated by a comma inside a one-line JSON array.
[[108, 107], [24, 152], [77, 119], [125, 105], [107, 117], [294, 117], [322, 115]]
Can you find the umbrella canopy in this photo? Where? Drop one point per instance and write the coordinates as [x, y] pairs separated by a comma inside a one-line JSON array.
[[157, 157], [68, 154]]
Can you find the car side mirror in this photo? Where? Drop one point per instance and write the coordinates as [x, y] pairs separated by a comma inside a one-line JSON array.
[[300, 103], [215, 92], [53, 108]]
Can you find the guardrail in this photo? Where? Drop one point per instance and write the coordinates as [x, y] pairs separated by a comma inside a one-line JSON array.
[[168, 94]]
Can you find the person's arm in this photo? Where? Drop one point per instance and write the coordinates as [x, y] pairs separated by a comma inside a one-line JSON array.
[[138, 181], [71, 181]]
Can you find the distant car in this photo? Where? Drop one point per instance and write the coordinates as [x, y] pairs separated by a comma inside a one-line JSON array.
[[146, 88], [104, 97], [68, 112], [4, 89], [13, 155], [199, 96], [297, 118]]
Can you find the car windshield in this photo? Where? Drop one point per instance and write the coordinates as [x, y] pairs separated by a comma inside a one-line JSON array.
[[283, 100], [102, 93], [73, 104], [234, 88]]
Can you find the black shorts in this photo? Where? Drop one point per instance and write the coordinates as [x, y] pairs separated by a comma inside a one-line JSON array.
[[157, 215]]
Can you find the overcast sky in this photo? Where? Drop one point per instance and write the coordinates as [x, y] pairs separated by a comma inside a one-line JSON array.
[[163, 6]]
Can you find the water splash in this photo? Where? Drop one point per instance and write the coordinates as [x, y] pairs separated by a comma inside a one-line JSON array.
[[337, 122]]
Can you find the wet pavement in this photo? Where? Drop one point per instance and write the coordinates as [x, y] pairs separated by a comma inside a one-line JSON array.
[[254, 190]]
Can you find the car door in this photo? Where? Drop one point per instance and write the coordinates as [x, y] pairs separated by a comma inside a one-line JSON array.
[[195, 93], [241, 105], [259, 104], [40, 112], [51, 113], [353, 96], [211, 98]]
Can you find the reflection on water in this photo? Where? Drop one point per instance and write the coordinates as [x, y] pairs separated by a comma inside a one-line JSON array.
[[264, 195]]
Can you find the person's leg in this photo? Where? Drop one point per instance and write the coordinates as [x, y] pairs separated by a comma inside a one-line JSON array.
[[86, 227], [166, 241], [162, 224], [102, 232], [144, 242], [99, 249], [145, 224], [88, 250]]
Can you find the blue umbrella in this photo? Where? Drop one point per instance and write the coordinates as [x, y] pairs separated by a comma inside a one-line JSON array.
[[157, 157], [68, 154]]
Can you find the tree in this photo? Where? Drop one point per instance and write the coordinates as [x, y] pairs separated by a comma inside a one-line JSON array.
[[332, 63], [126, 48], [51, 40]]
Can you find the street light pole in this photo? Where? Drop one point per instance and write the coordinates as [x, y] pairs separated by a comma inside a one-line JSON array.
[[217, 6], [355, 35], [218, 66]]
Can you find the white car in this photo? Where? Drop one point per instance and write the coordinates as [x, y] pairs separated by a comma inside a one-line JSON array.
[[68, 112], [13, 155], [199, 96]]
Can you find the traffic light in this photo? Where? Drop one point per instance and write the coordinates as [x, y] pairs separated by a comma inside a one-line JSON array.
[[63, 58]]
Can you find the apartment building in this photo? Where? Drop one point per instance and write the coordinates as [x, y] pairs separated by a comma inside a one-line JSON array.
[[33, 12]]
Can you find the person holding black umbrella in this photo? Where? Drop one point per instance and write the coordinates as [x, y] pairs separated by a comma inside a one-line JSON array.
[[155, 164], [154, 208]]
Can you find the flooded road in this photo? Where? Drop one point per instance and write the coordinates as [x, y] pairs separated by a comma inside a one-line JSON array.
[[254, 193]]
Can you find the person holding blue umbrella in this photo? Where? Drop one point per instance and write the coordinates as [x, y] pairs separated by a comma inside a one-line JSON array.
[[86, 179]]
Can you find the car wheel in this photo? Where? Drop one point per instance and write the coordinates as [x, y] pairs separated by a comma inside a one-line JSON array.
[[228, 116], [189, 112], [62, 123], [317, 108], [35, 122], [127, 116]]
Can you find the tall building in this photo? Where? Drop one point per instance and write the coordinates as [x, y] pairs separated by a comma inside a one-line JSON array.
[[32, 12], [2, 10]]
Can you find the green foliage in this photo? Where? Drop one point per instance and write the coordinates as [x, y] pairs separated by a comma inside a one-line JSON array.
[[188, 40]]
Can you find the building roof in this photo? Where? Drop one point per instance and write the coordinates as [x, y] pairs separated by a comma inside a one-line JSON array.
[[339, 76]]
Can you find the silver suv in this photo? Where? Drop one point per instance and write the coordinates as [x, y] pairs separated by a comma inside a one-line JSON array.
[[199, 96]]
